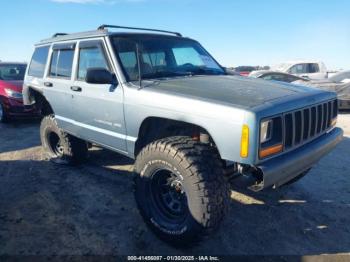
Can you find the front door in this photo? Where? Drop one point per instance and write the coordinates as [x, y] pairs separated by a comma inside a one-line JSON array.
[[98, 111]]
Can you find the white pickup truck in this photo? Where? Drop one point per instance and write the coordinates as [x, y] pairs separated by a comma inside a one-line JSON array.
[[306, 69]]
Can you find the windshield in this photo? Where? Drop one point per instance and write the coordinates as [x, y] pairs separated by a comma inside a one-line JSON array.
[[12, 72], [162, 56]]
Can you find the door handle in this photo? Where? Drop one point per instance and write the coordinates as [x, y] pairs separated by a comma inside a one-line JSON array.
[[48, 84], [76, 88]]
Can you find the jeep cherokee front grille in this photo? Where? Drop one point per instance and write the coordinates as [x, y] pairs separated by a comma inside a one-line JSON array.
[[305, 124]]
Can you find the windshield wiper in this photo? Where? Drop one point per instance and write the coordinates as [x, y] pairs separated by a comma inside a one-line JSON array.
[[204, 71], [162, 74]]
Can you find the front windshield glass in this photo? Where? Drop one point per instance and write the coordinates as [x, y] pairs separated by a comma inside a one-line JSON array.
[[163, 57], [12, 72]]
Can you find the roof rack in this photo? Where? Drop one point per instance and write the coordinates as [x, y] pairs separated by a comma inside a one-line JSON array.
[[102, 27], [59, 34]]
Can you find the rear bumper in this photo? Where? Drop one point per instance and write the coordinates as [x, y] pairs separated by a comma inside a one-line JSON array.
[[284, 168]]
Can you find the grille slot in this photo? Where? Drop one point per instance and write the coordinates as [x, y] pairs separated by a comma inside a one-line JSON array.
[[313, 121], [298, 127], [288, 131], [324, 116], [305, 124], [319, 118]]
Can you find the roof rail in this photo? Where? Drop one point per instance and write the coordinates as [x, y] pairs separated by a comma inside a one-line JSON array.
[[102, 27], [59, 34]]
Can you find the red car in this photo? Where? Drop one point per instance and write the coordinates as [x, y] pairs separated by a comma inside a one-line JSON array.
[[11, 81], [245, 70]]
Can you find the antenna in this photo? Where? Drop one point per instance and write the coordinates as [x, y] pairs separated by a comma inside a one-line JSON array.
[[103, 27], [139, 64]]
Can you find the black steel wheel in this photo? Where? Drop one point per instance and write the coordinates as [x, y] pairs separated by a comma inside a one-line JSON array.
[[55, 144], [61, 147], [168, 196]]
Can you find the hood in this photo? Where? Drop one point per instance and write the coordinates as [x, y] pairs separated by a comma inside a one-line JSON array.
[[14, 85], [241, 92]]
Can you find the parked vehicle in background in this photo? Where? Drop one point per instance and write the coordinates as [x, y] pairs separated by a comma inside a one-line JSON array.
[[245, 70], [276, 76], [163, 100], [339, 83], [341, 77], [305, 69], [11, 82]]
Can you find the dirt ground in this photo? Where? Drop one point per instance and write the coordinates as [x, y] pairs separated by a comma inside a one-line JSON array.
[[47, 209]]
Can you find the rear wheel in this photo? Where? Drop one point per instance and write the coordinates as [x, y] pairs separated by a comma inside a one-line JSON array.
[[180, 189], [61, 147]]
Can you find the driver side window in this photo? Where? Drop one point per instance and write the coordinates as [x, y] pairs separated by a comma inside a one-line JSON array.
[[90, 57]]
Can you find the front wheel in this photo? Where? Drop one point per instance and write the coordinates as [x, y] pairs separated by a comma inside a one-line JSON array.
[[180, 189]]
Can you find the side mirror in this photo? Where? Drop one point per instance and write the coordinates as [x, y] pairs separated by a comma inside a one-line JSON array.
[[100, 76]]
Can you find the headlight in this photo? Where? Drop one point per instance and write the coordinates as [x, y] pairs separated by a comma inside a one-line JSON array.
[[265, 131], [271, 137], [13, 94]]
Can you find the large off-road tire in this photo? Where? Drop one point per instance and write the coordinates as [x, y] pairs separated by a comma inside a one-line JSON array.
[[180, 189], [3, 115], [61, 147]]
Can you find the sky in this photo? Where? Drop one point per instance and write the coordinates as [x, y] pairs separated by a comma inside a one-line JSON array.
[[235, 32]]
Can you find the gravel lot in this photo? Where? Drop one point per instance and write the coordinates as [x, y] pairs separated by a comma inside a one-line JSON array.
[[89, 209]]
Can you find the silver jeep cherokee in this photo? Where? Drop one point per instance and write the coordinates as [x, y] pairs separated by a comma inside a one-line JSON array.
[[163, 100]]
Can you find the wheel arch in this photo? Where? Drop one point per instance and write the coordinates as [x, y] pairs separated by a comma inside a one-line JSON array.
[[36, 97], [153, 128]]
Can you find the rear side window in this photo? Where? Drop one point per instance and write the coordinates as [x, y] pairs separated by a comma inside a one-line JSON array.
[[62, 63], [314, 68], [37, 65]]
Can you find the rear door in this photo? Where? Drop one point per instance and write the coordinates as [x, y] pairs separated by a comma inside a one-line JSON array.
[[98, 111], [58, 81]]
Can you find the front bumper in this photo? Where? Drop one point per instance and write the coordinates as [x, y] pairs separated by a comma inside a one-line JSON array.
[[15, 108], [284, 168]]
